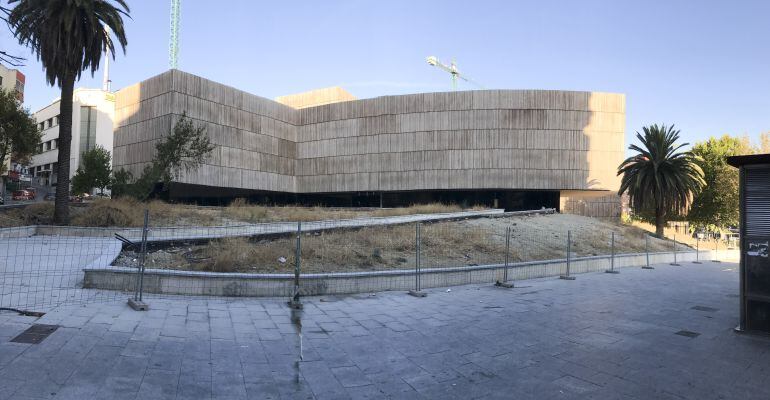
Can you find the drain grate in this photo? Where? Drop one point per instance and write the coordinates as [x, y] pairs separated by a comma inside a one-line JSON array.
[[35, 334], [704, 308], [689, 334]]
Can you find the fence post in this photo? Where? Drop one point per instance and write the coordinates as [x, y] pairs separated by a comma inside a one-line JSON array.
[[504, 283], [417, 292], [647, 252], [675, 263], [716, 253], [569, 257], [612, 256], [697, 250], [295, 302], [137, 303]]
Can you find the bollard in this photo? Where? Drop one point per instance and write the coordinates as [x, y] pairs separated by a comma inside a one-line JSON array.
[[569, 250], [295, 302], [137, 303], [612, 256], [674, 263], [417, 239], [647, 252], [504, 283], [697, 250]]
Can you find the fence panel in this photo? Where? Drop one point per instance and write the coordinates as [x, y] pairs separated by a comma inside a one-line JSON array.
[[44, 267]]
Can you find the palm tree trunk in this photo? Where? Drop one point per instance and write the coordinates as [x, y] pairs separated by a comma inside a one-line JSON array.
[[660, 221], [61, 213]]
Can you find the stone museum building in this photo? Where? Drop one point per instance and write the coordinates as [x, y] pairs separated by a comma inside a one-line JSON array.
[[512, 149]]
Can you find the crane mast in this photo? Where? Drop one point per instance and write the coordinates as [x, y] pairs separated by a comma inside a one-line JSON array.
[[173, 46]]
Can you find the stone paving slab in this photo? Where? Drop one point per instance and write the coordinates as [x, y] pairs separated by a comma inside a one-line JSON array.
[[601, 336]]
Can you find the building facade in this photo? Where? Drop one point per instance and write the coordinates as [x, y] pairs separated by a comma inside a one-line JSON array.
[[11, 80], [515, 149], [93, 111]]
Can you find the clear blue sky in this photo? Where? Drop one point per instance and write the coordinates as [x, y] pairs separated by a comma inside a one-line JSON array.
[[702, 65]]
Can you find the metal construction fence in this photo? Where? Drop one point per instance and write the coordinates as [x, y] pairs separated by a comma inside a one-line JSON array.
[[42, 267]]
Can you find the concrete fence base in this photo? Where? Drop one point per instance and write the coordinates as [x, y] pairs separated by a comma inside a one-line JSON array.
[[277, 285]]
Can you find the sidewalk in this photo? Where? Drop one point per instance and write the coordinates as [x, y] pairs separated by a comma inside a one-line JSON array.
[[601, 336]]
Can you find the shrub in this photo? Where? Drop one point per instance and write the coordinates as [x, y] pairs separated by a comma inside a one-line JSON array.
[[108, 213], [37, 214]]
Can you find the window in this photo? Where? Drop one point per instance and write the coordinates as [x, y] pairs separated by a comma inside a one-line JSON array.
[[87, 129], [1, 80], [54, 144], [56, 120], [47, 146]]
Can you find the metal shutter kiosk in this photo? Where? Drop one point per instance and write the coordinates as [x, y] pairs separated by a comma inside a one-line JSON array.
[[755, 240]]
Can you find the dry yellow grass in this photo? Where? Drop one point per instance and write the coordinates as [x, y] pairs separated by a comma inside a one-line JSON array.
[[444, 244], [128, 212], [34, 214], [240, 210]]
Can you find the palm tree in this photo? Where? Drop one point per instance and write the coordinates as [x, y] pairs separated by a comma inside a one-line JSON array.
[[68, 37], [660, 177]]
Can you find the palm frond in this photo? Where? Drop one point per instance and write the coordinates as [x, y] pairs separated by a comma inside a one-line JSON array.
[[68, 36], [660, 175]]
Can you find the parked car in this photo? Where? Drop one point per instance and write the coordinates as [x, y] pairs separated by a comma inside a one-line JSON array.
[[50, 197], [20, 195], [2, 201], [32, 191], [76, 199]]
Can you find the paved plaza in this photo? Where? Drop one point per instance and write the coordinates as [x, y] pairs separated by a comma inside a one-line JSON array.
[[665, 333]]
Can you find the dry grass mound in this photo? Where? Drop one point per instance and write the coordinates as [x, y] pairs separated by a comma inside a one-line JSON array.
[[34, 214], [128, 212], [443, 244]]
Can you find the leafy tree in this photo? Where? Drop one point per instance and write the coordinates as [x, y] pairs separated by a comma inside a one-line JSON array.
[[68, 37], [19, 136], [94, 171], [185, 149], [717, 205], [121, 183], [660, 177], [764, 143]]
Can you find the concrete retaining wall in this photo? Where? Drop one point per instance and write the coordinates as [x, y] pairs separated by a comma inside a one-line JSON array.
[[17, 232], [276, 285]]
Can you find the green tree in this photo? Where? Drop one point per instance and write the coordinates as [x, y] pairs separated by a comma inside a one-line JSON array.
[[94, 171], [717, 205], [19, 136], [764, 143], [120, 184], [185, 149], [660, 177], [68, 37]]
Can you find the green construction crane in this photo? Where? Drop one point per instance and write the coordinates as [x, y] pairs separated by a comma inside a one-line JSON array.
[[452, 69]]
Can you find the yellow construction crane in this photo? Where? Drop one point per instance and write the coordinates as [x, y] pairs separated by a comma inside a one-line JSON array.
[[452, 69]]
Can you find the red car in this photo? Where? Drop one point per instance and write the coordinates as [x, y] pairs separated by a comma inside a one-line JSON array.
[[22, 195]]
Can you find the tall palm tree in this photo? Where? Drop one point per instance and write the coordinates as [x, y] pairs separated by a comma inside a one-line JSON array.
[[68, 37], [660, 177]]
